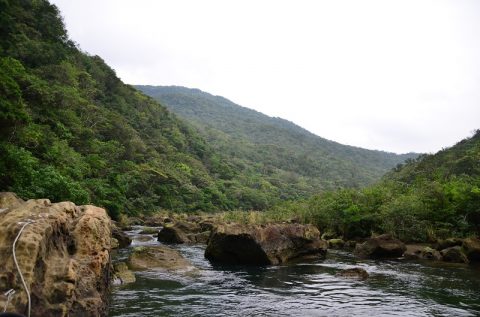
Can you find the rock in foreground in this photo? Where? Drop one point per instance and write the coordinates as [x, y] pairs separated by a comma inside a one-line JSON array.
[[64, 256], [380, 247], [263, 245]]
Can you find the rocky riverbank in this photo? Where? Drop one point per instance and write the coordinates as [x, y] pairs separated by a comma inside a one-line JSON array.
[[63, 251]]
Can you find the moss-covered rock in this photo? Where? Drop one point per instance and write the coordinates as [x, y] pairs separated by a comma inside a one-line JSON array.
[[336, 244], [158, 258], [122, 274]]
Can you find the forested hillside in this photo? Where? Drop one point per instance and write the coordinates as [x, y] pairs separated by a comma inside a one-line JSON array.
[[432, 197], [71, 130], [287, 156]]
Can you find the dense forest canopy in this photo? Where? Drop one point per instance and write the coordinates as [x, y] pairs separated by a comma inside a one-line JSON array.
[[285, 156], [71, 130], [432, 197]]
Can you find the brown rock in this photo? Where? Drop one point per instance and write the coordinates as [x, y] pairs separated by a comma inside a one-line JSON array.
[[471, 248], [201, 237], [64, 256], [350, 244], [447, 243], [454, 254], [123, 239], [154, 221], [354, 273], [173, 234], [159, 258], [419, 252], [383, 246], [180, 232], [261, 245]]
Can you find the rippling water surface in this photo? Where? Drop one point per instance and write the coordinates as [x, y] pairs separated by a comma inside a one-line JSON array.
[[394, 288]]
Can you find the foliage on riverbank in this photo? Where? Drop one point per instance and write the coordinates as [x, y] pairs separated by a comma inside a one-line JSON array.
[[434, 196]]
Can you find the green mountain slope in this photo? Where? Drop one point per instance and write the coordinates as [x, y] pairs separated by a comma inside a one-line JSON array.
[[287, 156], [71, 130], [432, 197]]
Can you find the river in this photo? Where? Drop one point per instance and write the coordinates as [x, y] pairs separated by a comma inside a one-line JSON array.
[[394, 288]]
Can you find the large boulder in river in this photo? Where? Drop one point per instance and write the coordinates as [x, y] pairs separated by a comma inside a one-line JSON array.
[[158, 258], [262, 245], [471, 248], [383, 246], [63, 254]]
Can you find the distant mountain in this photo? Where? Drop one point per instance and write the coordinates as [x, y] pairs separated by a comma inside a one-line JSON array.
[[434, 196], [278, 152]]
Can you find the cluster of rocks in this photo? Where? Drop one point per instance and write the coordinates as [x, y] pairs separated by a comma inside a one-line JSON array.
[[64, 251], [449, 250], [385, 246]]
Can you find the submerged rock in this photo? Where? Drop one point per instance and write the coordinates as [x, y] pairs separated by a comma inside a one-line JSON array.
[[383, 246], [262, 245], [471, 248], [354, 273], [159, 258], [64, 256], [454, 254]]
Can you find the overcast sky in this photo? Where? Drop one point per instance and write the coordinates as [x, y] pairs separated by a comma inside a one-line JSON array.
[[398, 75]]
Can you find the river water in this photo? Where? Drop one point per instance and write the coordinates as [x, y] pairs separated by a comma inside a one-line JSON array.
[[394, 288]]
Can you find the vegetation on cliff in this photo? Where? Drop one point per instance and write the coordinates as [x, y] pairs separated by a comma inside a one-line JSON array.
[[279, 158], [71, 130], [432, 197]]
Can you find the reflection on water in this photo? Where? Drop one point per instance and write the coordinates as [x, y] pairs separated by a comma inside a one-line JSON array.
[[395, 288]]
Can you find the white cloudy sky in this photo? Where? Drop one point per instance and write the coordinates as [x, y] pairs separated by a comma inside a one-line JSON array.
[[391, 75]]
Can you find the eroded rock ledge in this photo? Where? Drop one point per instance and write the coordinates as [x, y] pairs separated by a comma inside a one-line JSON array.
[[64, 256]]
